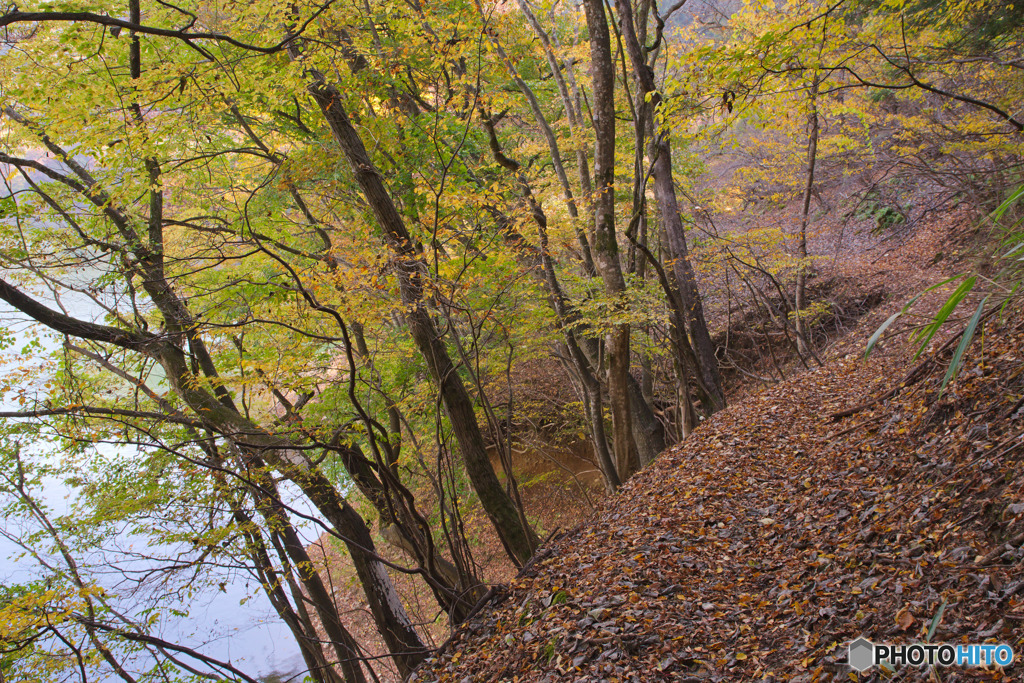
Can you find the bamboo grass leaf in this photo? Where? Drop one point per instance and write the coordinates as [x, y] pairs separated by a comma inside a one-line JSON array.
[[965, 341]]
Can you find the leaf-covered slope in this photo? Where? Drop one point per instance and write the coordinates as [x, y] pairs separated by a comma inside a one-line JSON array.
[[780, 531]]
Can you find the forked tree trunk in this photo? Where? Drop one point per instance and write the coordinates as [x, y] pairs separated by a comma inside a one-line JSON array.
[[268, 503], [403, 528], [583, 350], [668, 205], [572, 113], [203, 393], [389, 615]]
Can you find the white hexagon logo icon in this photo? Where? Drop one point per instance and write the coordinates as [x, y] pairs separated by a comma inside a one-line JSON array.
[[861, 655]]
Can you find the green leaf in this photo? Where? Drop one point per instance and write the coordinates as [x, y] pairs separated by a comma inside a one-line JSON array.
[[881, 330], [926, 333], [7, 207], [1010, 201], [935, 622], [965, 341]]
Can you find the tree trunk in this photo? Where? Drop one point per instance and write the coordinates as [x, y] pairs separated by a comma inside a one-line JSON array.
[[403, 528], [392, 622], [391, 619], [286, 538], [582, 350], [800, 298], [297, 619], [573, 114], [549, 135], [665, 194], [518, 539], [648, 432], [208, 399], [605, 247]]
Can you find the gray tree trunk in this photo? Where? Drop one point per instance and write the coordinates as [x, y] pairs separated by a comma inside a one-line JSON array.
[[800, 298], [605, 247], [665, 194]]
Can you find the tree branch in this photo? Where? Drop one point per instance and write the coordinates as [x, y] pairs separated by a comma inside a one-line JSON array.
[[160, 642], [133, 340], [16, 16], [98, 410]]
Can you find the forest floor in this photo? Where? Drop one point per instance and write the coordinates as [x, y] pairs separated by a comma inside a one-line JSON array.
[[851, 499]]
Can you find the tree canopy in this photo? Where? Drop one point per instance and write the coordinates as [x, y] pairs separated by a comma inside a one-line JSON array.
[[309, 247]]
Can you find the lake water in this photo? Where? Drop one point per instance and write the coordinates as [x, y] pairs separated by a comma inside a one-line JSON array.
[[228, 617]]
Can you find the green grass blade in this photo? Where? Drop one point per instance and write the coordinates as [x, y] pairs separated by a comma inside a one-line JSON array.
[[921, 332], [1020, 245], [1010, 201], [878, 333], [935, 286], [935, 622], [907, 306], [940, 318], [1008, 298], [965, 341]]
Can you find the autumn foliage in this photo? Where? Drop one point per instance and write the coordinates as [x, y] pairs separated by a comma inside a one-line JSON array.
[[355, 267]]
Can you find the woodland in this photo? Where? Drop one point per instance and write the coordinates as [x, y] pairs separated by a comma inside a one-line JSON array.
[[330, 270]]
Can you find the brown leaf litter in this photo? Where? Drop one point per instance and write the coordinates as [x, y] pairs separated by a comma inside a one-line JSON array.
[[786, 526]]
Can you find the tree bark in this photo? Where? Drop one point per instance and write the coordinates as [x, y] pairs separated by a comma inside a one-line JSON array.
[[401, 525], [605, 248], [571, 109], [406, 530], [297, 619], [286, 538], [549, 137], [391, 619], [582, 350], [668, 204], [518, 539], [800, 296]]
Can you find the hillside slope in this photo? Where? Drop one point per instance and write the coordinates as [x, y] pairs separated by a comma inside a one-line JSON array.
[[816, 511]]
